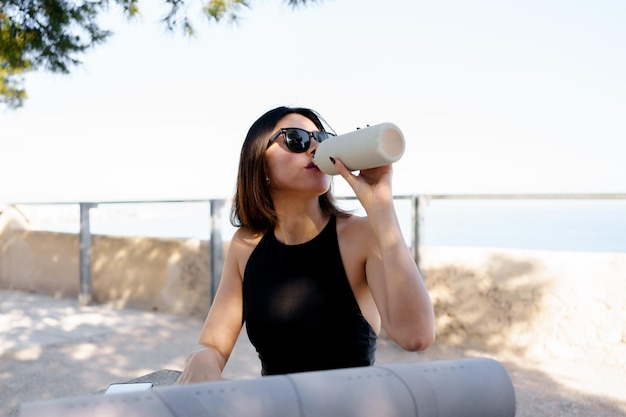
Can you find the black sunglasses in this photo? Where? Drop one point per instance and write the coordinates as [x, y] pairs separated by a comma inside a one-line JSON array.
[[299, 140]]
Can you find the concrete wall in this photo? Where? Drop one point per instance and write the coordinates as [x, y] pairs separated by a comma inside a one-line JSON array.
[[530, 304], [166, 275]]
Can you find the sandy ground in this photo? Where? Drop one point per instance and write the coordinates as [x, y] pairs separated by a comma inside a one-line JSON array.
[[556, 321]]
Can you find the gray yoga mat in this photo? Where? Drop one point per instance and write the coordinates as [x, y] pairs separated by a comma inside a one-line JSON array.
[[471, 387]]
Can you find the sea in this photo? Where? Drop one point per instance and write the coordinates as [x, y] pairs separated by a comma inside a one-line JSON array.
[[557, 225]]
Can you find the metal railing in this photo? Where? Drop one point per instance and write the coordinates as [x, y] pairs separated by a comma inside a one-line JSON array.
[[85, 238], [418, 202]]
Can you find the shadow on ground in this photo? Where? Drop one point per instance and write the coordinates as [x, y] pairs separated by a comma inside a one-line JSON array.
[[483, 308], [54, 348]]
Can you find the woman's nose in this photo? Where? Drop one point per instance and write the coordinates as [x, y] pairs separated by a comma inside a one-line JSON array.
[[313, 146]]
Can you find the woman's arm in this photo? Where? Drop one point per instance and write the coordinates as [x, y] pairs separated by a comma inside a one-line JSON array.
[[392, 275], [224, 321]]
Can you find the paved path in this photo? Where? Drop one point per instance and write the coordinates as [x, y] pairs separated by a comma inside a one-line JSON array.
[[53, 348]]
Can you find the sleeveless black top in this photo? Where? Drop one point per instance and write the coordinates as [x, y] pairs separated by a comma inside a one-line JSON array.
[[300, 311]]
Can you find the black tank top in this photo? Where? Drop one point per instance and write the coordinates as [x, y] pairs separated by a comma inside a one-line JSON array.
[[300, 311]]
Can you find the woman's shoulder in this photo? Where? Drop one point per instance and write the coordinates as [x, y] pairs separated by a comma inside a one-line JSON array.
[[246, 238], [241, 247], [353, 227]]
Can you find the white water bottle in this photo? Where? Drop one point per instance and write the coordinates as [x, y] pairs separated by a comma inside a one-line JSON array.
[[370, 147]]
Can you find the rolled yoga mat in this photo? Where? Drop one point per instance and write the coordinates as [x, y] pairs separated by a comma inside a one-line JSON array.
[[471, 387]]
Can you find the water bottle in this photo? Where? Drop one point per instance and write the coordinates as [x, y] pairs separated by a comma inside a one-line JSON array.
[[370, 147]]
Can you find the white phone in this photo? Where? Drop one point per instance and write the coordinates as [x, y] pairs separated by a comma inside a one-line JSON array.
[[128, 387]]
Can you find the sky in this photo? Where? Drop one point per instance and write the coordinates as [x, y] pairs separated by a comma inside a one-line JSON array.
[[493, 96]]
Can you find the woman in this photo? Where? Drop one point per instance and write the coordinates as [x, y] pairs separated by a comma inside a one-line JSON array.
[[312, 283]]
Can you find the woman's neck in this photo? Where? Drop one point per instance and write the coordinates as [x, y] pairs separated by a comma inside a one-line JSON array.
[[299, 221]]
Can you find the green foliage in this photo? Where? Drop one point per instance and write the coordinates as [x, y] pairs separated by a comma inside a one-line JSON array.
[[11, 92], [12, 64], [218, 9], [52, 34], [47, 34]]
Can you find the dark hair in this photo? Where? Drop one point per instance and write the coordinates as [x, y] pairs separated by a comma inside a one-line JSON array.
[[253, 206]]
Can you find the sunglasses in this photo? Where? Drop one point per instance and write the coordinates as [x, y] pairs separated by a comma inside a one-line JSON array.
[[299, 140]]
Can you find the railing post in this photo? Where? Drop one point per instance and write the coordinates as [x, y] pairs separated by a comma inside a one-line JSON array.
[[216, 246], [418, 203], [84, 248]]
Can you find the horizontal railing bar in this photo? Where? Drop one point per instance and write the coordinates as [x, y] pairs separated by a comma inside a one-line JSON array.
[[529, 196], [206, 200], [564, 196]]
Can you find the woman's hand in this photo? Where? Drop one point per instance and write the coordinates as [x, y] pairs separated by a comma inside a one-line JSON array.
[[201, 366], [372, 186]]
